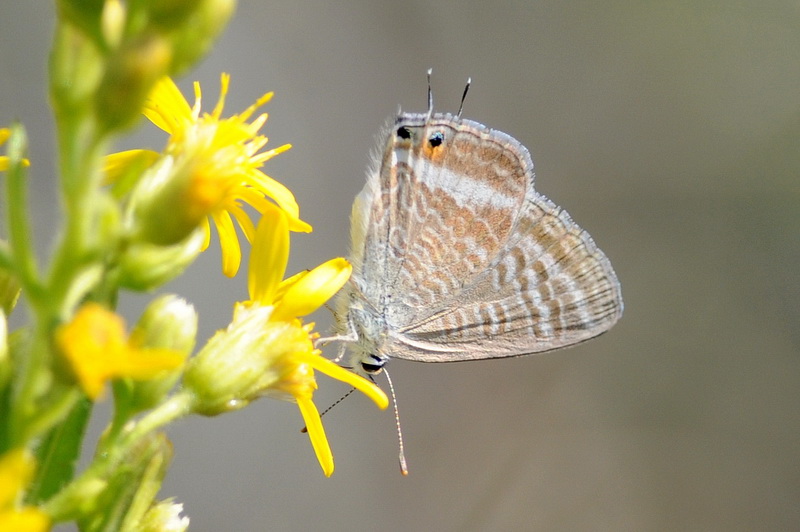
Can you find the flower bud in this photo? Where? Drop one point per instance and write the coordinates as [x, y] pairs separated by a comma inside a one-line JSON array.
[[242, 362], [131, 71], [164, 516], [145, 266], [198, 31], [173, 199], [76, 68], [170, 13], [169, 322]]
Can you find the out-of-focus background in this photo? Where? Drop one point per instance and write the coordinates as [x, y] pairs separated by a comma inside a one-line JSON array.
[[669, 130]]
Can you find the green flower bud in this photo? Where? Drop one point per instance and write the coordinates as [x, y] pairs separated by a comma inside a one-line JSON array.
[[76, 68], [168, 204], [164, 516], [145, 266], [243, 362], [168, 14], [85, 15], [169, 322], [194, 37], [131, 71]]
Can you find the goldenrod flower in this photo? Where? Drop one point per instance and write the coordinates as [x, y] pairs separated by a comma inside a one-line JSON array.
[[267, 350], [97, 348], [16, 471], [4, 134], [213, 164]]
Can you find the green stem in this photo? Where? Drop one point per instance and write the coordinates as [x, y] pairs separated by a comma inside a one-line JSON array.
[[80, 169], [80, 148], [67, 503], [20, 245], [177, 406], [29, 360], [81, 161]]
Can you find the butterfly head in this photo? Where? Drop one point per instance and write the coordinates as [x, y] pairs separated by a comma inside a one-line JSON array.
[[365, 353]]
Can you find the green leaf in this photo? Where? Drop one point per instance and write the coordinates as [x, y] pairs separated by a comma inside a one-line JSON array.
[[58, 453]]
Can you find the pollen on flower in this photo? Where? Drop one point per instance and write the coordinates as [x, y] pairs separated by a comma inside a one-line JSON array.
[[97, 348]]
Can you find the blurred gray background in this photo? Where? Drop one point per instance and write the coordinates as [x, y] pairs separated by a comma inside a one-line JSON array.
[[669, 130]]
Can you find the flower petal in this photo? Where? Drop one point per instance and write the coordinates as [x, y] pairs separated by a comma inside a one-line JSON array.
[[229, 242], [244, 221], [316, 433], [268, 257], [117, 164], [247, 113], [277, 191], [224, 82], [311, 291], [166, 107], [95, 344], [335, 371]]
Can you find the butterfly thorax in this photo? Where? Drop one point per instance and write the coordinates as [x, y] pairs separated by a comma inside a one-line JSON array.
[[371, 330]]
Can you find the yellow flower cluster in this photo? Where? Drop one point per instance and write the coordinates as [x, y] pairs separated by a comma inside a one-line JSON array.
[[210, 166], [214, 168]]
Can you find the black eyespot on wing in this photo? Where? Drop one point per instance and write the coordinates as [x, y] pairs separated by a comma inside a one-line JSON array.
[[436, 139], [403, 132]]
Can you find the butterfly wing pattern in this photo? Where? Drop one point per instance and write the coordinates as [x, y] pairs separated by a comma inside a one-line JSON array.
[[457, 257]]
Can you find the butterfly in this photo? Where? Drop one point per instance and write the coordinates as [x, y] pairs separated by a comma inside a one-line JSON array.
[[457, 257]]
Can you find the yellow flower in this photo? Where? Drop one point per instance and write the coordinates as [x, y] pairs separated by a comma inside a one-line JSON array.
[[97, 348], [294, 297], [215, 166], [267, 350], [4, 134], [16, 471]]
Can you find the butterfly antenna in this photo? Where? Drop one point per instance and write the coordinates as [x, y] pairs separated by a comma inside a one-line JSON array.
[[463, 97], [342, 398], [430, 94], [403, 466]]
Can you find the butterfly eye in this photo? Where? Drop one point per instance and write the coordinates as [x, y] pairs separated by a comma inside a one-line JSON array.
[[403, 133], [436, 139], [370, 368], [373, 365]]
